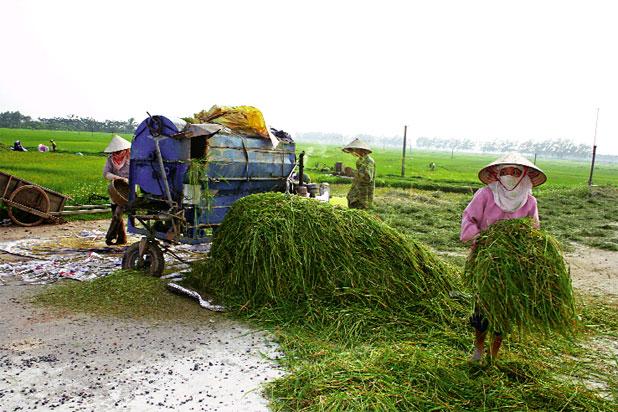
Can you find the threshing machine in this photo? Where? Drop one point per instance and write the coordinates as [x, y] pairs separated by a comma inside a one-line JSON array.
[[184, 178]]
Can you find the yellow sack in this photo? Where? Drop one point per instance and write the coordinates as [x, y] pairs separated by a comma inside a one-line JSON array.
[[243, 119]]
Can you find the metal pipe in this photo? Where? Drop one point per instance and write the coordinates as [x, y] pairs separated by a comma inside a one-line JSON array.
[[233, 179], [80, 212], [301, 168], [403, 155], [168, 194], [82, 207], [594, 148]]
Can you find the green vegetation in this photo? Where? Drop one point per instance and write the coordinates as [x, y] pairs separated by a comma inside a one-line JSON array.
[[280, 251], [461, 170], [367, 356], [456, 172], [123, 294], [67, 141], [571, 214], [520, 279], [80, 177], [424, 371], [582, 215]]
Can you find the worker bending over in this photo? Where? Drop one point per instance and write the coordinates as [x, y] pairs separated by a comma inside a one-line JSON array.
[[117, 167]]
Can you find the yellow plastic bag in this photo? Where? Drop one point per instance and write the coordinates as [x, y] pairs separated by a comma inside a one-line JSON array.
[[243, 119]]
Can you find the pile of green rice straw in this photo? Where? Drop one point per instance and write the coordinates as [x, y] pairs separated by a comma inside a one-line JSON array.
[[520, 279], [278, 250]]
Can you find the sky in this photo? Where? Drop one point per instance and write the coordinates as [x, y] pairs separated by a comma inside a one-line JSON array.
[[453, 69]]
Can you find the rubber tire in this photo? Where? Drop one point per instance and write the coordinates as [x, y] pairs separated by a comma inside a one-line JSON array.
[[154, 262]]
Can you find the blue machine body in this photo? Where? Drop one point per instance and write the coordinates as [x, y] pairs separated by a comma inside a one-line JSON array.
[[234, 166]]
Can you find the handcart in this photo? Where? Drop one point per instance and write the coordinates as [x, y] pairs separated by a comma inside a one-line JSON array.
[[29, 204]]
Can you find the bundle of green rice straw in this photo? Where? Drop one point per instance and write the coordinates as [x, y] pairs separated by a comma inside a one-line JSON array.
[[283, 250], [520, 279]]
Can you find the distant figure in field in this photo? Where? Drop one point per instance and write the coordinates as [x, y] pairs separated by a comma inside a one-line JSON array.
[[360, 195], [53, 145], [17, 147], [432, 166], [43, 148]]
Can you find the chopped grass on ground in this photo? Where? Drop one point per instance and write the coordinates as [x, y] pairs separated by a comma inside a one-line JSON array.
[[331, 266], [584, 215], [402, 368], [429, 370], [435, 216], [122, 294], [423, 375], [405, 361], [579, 214]]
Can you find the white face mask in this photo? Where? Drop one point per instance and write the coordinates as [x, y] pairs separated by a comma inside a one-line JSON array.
[[509, 182]]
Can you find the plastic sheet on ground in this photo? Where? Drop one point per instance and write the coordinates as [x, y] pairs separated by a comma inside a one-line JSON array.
[[92, 266], [83, 256], [206, 304]]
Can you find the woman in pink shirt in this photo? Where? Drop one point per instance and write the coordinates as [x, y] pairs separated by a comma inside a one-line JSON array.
[[508, 195]]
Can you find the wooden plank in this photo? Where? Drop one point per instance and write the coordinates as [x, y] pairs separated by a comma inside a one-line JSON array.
[[80, 212], [30, 210], [82, 207]]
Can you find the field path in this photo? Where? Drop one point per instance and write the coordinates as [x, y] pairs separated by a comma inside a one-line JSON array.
[[594, 271]]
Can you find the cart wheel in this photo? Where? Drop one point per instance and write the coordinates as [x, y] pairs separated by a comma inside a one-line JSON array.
[[152, 261], [32, 197]]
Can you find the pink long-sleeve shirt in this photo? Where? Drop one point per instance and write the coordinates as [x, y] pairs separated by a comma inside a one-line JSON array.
[[482, 212]]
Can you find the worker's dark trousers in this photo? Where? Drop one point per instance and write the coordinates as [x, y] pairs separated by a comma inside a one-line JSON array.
[[116, 234]]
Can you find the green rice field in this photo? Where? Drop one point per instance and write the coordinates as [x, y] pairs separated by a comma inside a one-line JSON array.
[[80, 176]]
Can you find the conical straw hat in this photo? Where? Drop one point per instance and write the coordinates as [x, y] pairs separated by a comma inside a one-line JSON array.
[[488, 175], [117, 144], [357, 144]]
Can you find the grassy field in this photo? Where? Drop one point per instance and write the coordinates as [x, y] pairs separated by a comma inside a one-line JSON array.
[[461, 169], [571, 214], [79, 176], [68, 142], [61, 171]]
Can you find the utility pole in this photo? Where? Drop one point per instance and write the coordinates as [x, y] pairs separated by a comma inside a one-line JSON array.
[[594, 149], [403, 157]]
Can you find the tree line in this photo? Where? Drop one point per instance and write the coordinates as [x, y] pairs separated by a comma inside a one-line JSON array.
[[340, 139], [558, 148], [17, 120]]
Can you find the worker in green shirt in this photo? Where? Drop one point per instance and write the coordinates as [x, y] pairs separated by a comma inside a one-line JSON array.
[[363, 183]]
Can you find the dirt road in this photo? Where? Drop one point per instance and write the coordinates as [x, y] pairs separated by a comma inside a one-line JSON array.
[[78, 362]]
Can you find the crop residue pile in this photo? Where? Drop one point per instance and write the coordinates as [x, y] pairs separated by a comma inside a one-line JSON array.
[[521, 279], [276, 250]]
